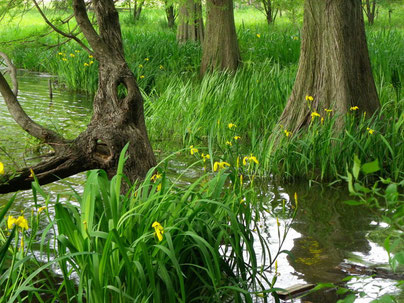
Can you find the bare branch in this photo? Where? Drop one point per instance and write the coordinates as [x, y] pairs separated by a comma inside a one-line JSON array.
[[17, 112], [13, 72], [46, 172], [87, 28], [60, 31]]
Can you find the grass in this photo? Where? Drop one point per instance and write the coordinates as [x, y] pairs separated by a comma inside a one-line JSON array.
[[158, 242], [184, 110]]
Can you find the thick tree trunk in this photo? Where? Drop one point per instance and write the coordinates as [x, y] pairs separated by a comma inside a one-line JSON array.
[[190, 20], [116, 120], [220, 48], [334, 66], [170, 15]]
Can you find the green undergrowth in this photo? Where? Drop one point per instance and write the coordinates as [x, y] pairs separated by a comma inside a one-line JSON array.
[[159, 242], [184, 110]]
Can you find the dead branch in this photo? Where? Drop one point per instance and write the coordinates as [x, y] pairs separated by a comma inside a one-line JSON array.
[[67, 35], [17, 112]]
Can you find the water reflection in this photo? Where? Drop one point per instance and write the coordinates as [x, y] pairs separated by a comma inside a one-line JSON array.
[[332, 233], [325, 233]]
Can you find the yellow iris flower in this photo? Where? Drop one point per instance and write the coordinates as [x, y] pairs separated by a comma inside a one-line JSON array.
[[20, 221], [158, 230], [193, 150], [250, 158], [220, 165]]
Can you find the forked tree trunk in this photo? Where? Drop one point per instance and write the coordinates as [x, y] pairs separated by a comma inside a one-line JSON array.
[[270, 13], [190, 27], [137, 9], [170, 14], [370, 10], [116, 120], [220, 48], [334, 66]]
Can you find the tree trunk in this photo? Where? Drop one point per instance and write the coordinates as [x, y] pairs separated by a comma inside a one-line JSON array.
[[220, 49], [190, 20], [116, 120], [334, 66], [371, 11], [170, 15], [268, 10], [137, 9]]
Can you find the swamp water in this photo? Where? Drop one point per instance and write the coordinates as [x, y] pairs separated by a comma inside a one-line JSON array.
[[325, 233]]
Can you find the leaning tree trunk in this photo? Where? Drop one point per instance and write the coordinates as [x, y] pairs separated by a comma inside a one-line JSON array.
[[220, 48], [190, 20], [116, 120], [334, 66]]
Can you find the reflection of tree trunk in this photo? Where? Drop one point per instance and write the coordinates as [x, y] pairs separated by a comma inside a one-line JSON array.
[[334, 64], [329, 231], [220, 49], [170, 15], [116, 120], [190, 21]]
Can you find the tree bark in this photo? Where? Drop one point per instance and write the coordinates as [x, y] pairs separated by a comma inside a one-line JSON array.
[[334, 66], [115, 121], [370, 11], [220, 48], [170, 14], [137, 9], [269, 12], [190, 20]]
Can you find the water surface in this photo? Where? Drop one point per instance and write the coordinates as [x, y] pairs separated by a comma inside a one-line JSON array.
[[325, 232]]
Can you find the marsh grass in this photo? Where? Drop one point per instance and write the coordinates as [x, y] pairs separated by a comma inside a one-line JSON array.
[[183, 109], [158, 242]]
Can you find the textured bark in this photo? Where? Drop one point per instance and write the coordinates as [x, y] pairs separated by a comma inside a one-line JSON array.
[[334, 64], [190, 20], [115, 122], [220, 48]]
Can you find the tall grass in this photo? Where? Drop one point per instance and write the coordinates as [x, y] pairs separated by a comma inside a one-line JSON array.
[[184, 109], [158, 242]]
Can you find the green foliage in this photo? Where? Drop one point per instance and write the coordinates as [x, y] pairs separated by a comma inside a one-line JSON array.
[[386, 198], [157, 242], [183, 109]]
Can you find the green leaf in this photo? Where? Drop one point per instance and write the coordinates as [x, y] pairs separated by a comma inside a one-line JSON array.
[[399, 257], [354, 202], [370, 167], [7, 207], [342, 290], [348, 299], [387, 244], [384, 299], [350, 182], [356, 167]]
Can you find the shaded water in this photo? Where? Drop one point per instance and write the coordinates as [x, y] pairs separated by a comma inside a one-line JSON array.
[[325, 232]]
